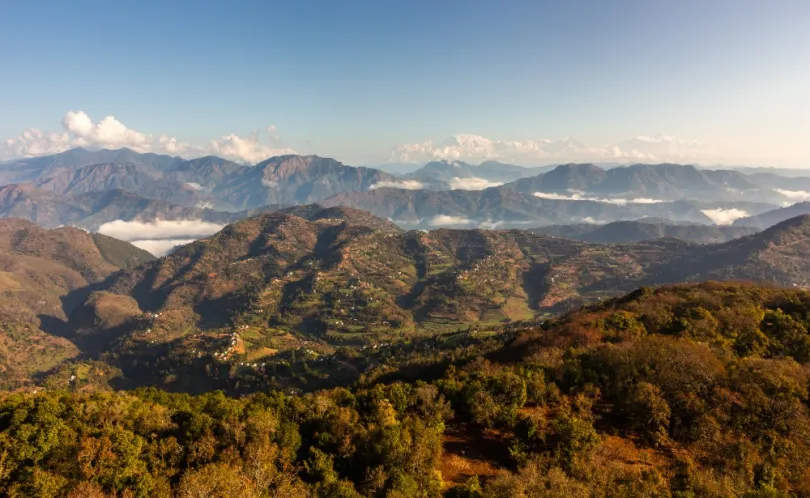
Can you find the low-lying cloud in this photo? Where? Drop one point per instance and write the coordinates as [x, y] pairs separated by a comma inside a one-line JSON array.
[[794, 195], [160, 247], [159, 236], [581, 196], [401, 184], [497, 225], [445, 220], [473, 183], [722, 216]]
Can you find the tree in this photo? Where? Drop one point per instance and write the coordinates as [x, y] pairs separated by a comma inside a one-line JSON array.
[[649, 412]]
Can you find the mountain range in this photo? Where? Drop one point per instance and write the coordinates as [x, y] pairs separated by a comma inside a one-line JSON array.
[[91, 188]]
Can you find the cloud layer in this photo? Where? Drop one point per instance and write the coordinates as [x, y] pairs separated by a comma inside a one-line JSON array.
[[582, 196], [794, 195], [402, 184], [159, 236], [722, 216], [160, 247], [79, 130], [471, 183]]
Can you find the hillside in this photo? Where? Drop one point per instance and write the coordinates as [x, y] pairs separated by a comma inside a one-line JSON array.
[[312, 280], [304, 267], [778, 255], [319, 279], [688, 390], [42, 277]]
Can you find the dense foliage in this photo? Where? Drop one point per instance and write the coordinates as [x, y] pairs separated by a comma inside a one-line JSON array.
[[693, 390]]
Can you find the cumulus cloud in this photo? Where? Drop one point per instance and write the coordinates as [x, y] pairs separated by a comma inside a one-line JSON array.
[[722, 216], [159, 229], [195, 186], [581, 196], [471, 183], [245, 149], [79, 130], [160, 247], [108, 133], [401, 184]]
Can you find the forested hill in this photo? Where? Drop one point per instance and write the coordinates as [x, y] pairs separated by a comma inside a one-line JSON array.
[[690, 390]]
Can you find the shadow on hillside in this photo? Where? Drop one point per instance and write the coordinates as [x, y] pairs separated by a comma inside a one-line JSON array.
[[535, 284]]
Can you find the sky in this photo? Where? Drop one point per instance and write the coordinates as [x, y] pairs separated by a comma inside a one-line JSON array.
[[372, 82]]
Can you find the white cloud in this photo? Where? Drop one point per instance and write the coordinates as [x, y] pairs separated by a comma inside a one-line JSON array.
[[35, 142], [401, 184], [722, 216], [651, 149], [159, 229], [109, 133], [195, 186], [446, 220], [471, 183], [794, 195], [245, 149], [581, 196], [79, 130], [269, 183], [160, 247], [470, 148], [497, 225], [590, 220]]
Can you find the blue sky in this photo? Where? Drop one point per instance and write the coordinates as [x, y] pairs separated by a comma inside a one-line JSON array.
[[356, 79]]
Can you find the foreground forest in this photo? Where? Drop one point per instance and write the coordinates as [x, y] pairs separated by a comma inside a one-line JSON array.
[[687, 390]]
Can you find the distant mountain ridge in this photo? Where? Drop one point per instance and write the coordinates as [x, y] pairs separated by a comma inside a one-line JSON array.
[[660, 182], [441, 193], [641, 230], [92, 209], [770, 218], [507, 207], [296, 180]]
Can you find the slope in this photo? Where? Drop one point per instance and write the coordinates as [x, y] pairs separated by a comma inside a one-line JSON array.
[[42, 277]]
